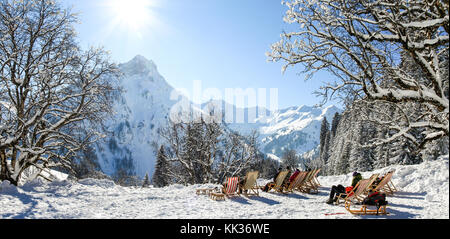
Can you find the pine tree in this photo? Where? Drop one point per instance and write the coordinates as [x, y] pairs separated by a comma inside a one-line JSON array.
[[361, 158], [159, 179], [146, 182], [343, 164], [326, 150], [335, 123], [324, 128]]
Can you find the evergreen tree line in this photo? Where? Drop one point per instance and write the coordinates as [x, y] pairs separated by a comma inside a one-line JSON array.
[[354, 143]]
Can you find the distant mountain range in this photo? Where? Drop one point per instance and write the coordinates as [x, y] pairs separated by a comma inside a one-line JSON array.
[[145, 104]]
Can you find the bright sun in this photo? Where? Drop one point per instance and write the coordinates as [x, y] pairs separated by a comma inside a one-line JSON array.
[[134, 15]]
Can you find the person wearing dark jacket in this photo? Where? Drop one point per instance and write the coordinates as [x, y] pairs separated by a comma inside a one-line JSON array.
[[339, 189], [276, 175], [268, 185]]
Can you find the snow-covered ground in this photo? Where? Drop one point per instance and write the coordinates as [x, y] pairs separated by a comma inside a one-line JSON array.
[[423, 193]]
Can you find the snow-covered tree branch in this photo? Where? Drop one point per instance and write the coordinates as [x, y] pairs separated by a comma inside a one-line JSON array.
[[206, 152], [389, 51], [50, 90]]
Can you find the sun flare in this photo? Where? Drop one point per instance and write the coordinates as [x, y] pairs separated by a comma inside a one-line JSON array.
[[132, 15]]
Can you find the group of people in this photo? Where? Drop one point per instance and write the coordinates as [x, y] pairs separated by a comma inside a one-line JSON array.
[[336, 190], [290, 177]]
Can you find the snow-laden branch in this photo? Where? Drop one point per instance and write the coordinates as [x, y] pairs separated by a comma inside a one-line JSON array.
[[394, 51], [57, 95]]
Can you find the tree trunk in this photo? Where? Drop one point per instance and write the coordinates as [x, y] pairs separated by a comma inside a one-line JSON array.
[[4, 172]]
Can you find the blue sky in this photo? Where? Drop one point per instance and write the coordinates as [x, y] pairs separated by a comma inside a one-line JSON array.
[[222, 43]]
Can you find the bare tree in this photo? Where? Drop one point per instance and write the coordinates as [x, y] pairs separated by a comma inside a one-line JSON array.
[[238, 154], [205, 151], [290, 159], [53, 95], [365, 44]]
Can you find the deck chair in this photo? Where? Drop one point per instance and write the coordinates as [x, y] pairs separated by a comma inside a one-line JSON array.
[[358, 195], [278, 184], [359, 191], [308, 186], [363, 190], [299, 179], [205, 191], [372, 186], [386, 185], [230, 190], [315, 180], [250, 187], [304, 187]]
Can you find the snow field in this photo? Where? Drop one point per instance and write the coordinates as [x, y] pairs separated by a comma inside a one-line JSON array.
[[423, 194]]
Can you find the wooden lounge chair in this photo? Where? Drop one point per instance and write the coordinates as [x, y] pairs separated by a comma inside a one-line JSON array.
[[358, 195], [205, 191], [308, 186], [250, 187], [304, 187], [364, 190], [299, 179], [230, 190], [315, 180], [371, 186], [386, 185], [278, 184]]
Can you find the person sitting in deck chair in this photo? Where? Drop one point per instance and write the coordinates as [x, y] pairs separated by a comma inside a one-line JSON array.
[[293, 176], [266, 188], [339, 189], [241, 184]]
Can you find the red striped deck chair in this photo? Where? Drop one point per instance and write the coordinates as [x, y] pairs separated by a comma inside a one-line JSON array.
[[231, 189], [299, 179]]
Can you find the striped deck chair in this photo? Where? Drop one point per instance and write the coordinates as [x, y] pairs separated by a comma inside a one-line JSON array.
[[386, 185], [250, 187], [278, 184], [358, 195], [231, 189], [299, 179]]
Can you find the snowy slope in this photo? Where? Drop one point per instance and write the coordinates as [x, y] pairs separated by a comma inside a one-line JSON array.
[[423, 194]]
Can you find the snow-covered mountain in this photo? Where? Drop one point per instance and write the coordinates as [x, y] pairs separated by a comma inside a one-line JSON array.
[[145, 104], [296, 127], [141, 109]]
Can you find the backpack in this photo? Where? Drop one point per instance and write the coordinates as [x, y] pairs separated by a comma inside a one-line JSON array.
[[348, 191], [375, 199]]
